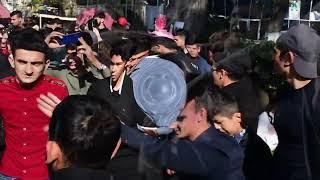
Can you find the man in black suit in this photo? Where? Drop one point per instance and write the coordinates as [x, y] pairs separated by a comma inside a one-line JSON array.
[[118, 91]]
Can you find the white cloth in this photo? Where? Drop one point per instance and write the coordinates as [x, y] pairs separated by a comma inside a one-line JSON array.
[[266, 130]]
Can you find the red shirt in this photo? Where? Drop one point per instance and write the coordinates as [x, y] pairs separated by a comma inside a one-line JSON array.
[[25, 152]]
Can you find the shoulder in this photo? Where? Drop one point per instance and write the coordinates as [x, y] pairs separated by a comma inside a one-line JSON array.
[[7, 80], [101, 82], [54, 81], [99, 85]]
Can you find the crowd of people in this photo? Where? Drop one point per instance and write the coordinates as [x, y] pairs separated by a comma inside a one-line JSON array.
[[89, 102]]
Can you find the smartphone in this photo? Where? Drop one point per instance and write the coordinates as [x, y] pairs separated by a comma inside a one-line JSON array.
[[70, 38]]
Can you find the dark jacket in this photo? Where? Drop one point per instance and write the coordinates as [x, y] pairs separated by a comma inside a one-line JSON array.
[[123, 104], [79, 174], [213, 155], [248, 100], [5, 68], [124, 164]]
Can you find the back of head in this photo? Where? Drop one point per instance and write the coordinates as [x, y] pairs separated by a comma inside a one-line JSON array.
[[142, 41], [237, 64], [191, 39], [100, 14], [86, 131], [28, 39], [166, 42], [123, 48], [189, 69]]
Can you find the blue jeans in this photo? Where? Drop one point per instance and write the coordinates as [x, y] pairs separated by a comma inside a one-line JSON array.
[[4, 177]]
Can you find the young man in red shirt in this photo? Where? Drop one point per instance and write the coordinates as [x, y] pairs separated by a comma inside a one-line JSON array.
[[24, 122]]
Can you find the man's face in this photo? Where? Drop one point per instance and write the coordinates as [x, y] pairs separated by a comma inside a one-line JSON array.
[[4, 40], [185, 124], [228, 125], [134, 61], [180, 40], [29, 65], [74, 62], [279, 63], [193, 50], [15, 20], [117, 66], [99, 20], [218, 78]]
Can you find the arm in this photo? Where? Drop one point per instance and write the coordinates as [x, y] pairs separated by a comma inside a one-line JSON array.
[[99, 70], [179, 155]]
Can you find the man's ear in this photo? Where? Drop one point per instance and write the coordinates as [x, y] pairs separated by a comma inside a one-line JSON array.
[[203, 114], [288, 58], [53, 152]]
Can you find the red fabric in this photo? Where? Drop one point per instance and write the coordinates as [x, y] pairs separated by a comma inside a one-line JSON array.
[[25, 152]]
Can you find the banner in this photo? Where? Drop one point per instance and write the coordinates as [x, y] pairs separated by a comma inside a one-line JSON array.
[[294, 9]]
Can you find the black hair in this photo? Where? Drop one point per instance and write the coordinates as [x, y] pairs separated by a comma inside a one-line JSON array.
[[142, 41], [166, 42], [212, 99], [191, 39], [100, 14], [283, 47], [223, 104], [28, 39], [237, 64], [123, 48], [233, 75], [86, 130], [181, 32], [18, 13]]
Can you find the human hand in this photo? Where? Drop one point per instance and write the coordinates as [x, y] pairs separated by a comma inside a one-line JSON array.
[[170, 172], [47, 103], [85, 49], [51, 39]]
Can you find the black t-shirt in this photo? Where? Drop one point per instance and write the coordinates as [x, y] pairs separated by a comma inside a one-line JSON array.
[[294, 131]]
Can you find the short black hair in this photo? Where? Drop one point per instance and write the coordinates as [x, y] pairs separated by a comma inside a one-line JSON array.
[[28, 39], [216, 102], [237, 64], [123, 48], [100, 14], [142, 41], [18, 13], [166, 42], [192, 39], [181, 32], [86, 130]]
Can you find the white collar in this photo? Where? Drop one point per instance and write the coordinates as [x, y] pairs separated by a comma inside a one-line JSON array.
[[121, 83]]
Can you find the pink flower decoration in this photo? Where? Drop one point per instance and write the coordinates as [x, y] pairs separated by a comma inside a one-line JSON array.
[[160, 22]]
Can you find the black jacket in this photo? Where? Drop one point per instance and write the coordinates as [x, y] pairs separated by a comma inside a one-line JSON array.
[[79, 174], [123, 104]]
